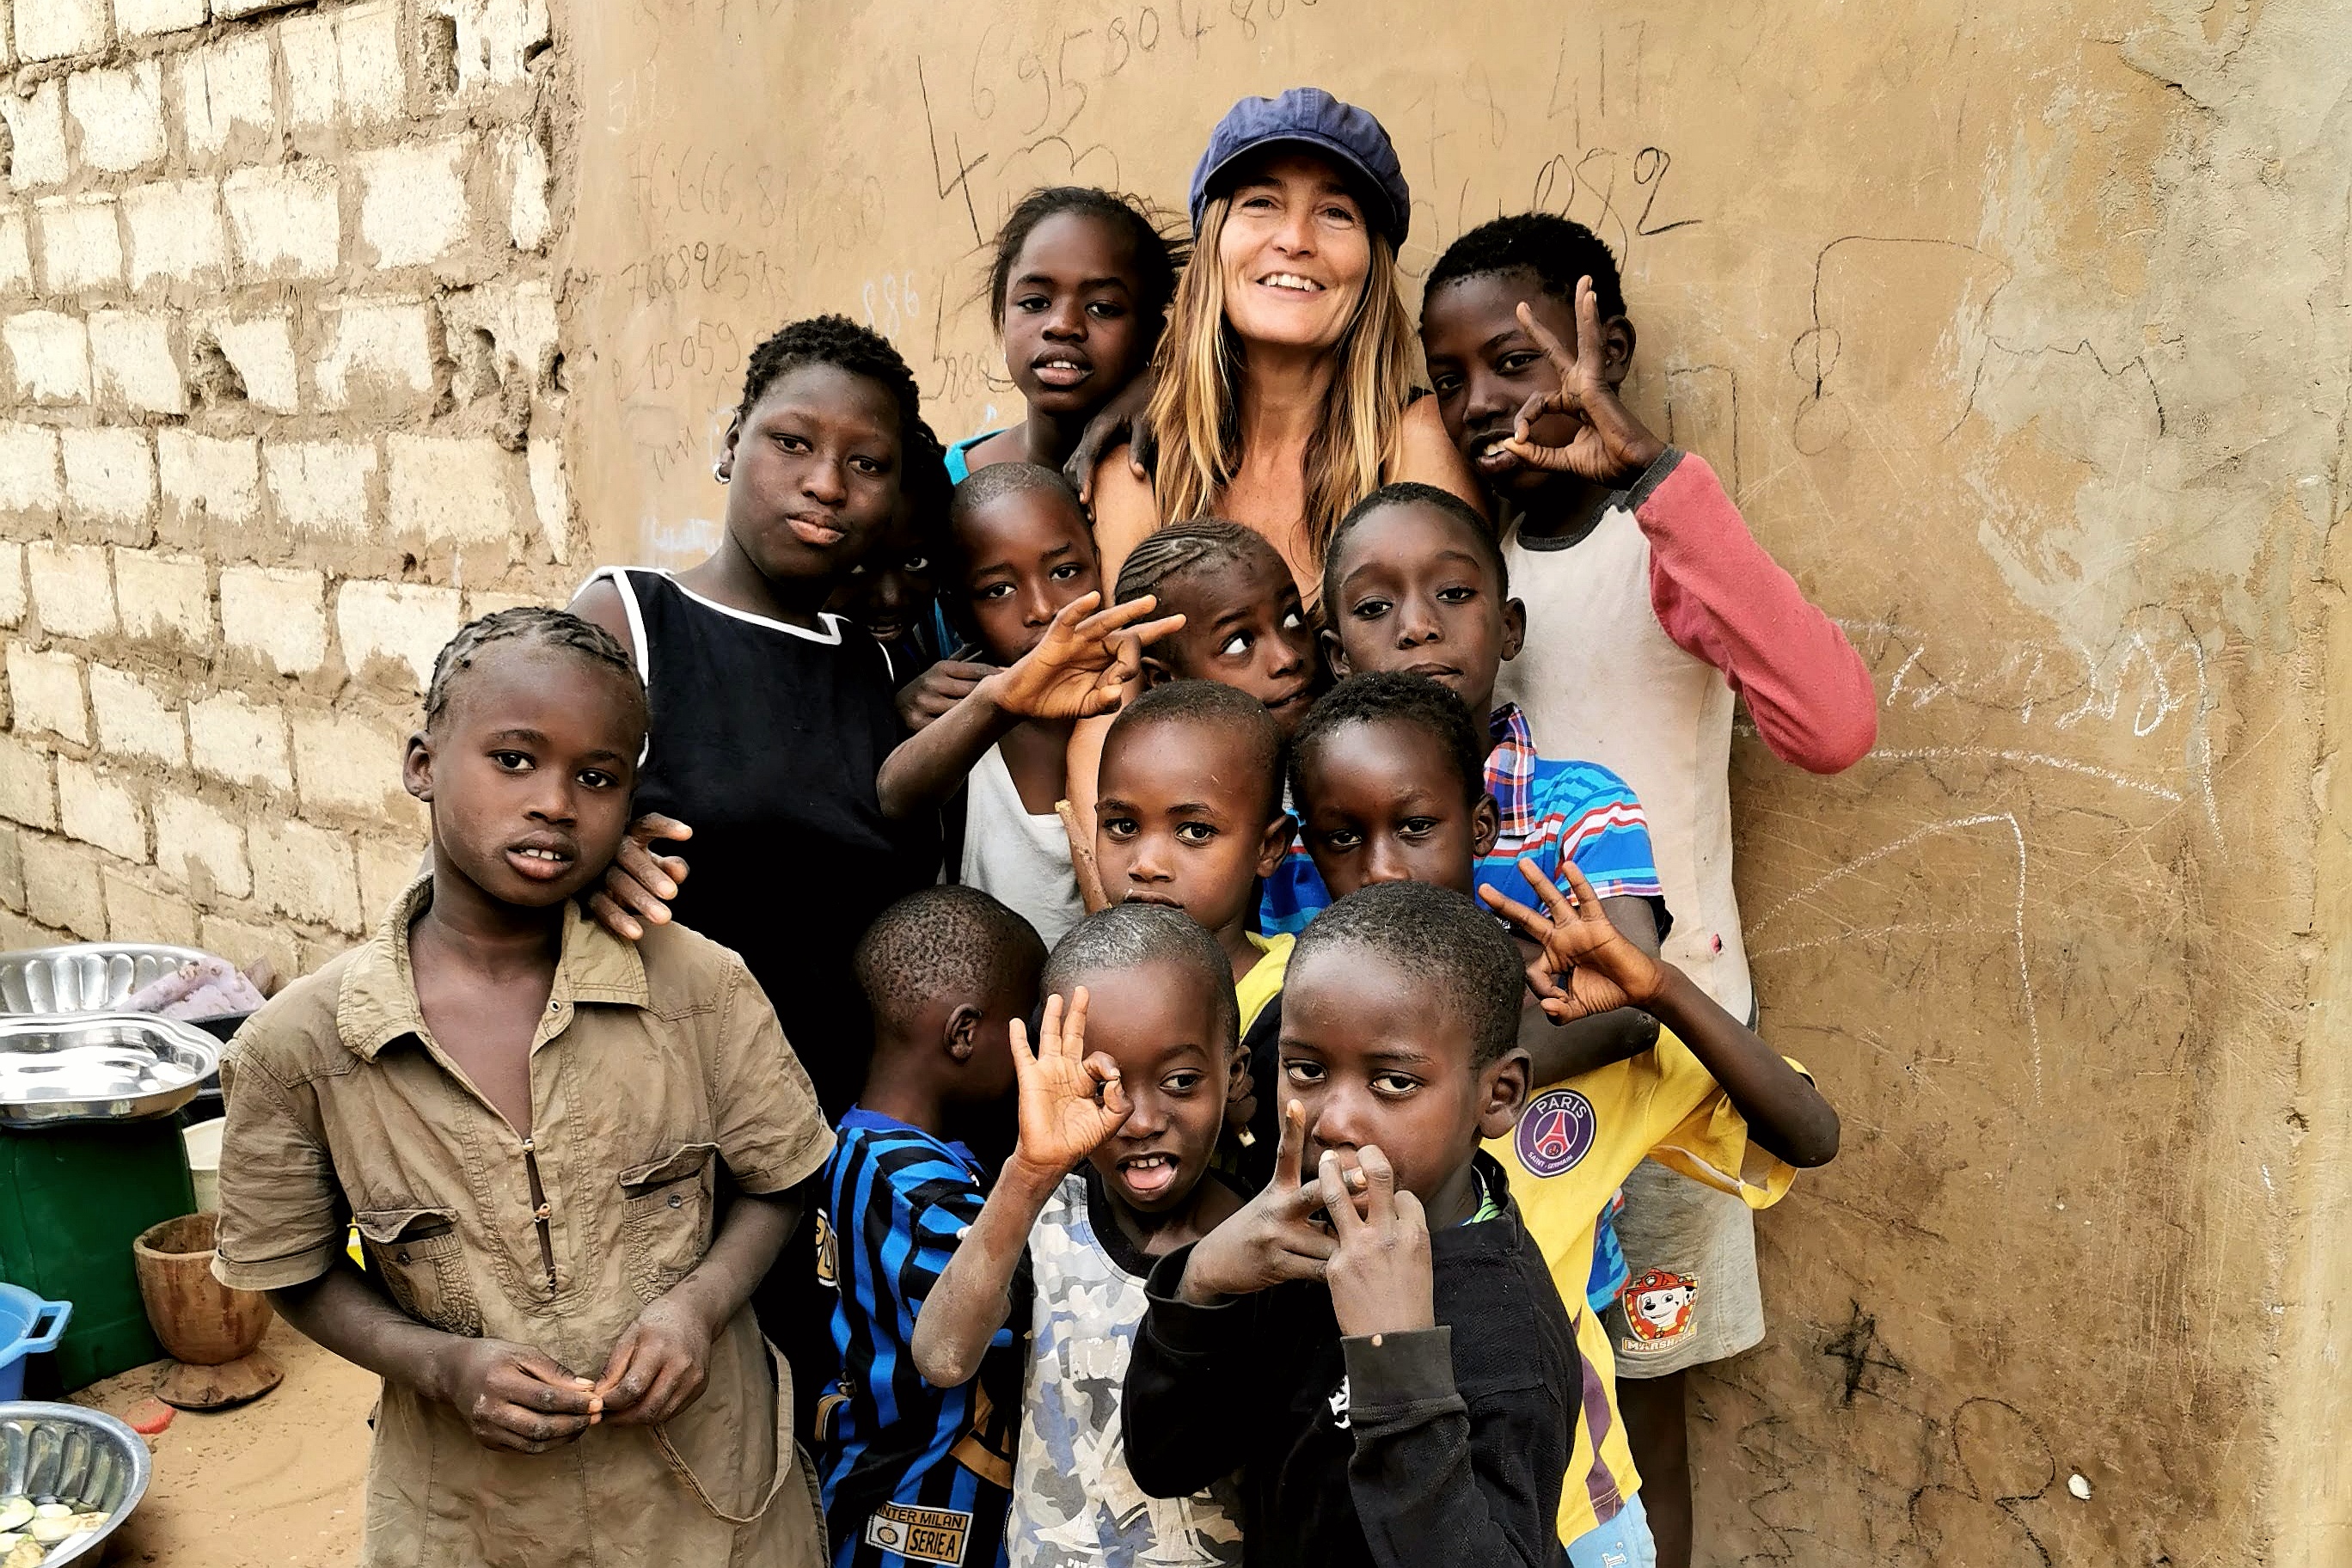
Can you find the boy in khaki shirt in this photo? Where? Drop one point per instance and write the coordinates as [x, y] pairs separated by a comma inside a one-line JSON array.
[[569, 1159]]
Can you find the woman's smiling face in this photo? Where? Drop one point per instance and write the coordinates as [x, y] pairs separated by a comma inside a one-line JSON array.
[[1294, 251]]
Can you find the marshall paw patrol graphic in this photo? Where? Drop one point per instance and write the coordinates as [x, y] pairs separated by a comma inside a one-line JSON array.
[[1658, 1309]]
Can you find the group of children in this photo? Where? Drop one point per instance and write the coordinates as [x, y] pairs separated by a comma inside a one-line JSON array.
[[1231, 1171]]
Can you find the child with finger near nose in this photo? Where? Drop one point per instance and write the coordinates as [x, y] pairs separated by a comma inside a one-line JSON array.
[[1120, 1105], [1373, 1341]]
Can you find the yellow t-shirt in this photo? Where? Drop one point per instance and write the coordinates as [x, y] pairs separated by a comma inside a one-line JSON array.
[[1575, 1142], [1263, 984]]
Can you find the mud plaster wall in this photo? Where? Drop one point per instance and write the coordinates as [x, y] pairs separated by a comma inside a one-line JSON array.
[[2021, 334]]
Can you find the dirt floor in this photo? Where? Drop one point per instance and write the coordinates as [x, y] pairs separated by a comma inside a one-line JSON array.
[[274, 1482]]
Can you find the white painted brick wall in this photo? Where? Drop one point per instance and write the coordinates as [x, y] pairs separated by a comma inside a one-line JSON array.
[[52, 29], [285, 219], [208, 476], [387, 868], [202, 845], [137, 913], [98, 810], [80, 244], [384, 346], [454, 489], [369, 57], [306, 872], [277, 613], [73, 590], [493, 38], [16, 253], [45, 693], [131, 364], [36, 127], [308, 47], [550, 496], [261, 348], [225, 86], [28, 792], [164, 595], [244, 743], [403, 622], [413, 204], [519, 318], [144, 17], [345, 763], [120, 114], [321, 487], [49, 354], [523, 161], [61, 886], [134, 718], [11, 585], [177, 233], [29, 469], [110, 476]]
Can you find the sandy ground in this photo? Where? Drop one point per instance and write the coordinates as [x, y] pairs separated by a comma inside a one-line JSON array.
[[274, 1482]]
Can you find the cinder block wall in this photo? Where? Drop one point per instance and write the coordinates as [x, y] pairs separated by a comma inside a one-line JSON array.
[[280, 403]]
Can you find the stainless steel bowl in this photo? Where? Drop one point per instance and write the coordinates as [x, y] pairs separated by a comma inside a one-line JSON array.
[[85, 977], [70, 1452], [100, 1066]]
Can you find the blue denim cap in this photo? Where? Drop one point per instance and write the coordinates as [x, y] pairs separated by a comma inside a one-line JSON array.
[[1309, 117]]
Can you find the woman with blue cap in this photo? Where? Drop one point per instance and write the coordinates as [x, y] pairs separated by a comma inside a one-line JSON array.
[[1285, 390]]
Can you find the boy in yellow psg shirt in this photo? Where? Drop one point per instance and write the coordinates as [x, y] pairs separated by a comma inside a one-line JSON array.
[[1394, 791]]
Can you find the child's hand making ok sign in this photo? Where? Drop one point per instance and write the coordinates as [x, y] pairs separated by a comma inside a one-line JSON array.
[[1082, 665], [1603, 971], [1070, 1101], [1610, 447]]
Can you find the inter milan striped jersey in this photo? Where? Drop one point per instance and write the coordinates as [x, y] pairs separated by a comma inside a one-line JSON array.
[[913, 1474]]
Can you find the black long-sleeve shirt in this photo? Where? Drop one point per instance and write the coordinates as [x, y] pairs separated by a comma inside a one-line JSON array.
[[1434, 1448]]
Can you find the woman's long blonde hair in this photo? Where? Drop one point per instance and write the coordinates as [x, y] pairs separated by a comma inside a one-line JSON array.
[[1196, 411]]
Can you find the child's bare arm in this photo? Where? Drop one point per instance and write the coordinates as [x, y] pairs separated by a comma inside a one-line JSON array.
[[1557, 1050], [1786, 1114], [1070, 1102], [1077, 670], [510, 1396], [662, 1361]]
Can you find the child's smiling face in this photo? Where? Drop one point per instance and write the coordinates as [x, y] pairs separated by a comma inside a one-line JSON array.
[[813, 472], [1381, 801], [1245, 628], [1484, 366], [529, 772], [1071, 332], [1413, 591], [1026, 554], [1186, 816], [1160, 1022], [1375, 1059]]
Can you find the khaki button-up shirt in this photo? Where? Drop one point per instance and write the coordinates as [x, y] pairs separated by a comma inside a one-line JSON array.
[[653, 1066]]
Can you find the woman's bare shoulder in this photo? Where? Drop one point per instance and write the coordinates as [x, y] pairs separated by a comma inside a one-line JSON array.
[[1125, 510]]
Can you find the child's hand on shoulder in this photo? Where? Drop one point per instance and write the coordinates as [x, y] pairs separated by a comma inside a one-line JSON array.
[[1071, 1103], [1381, 1278], [1611, 446], [1601, 969], [514, 1397], [940, 687], [659, 1366], [1272, 1238], [1083, 664]]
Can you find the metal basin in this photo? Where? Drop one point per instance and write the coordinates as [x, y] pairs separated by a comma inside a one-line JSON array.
[[70, 1452], [84, 977], [100, 1066]]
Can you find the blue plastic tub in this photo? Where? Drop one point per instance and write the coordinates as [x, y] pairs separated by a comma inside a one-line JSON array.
[[21, 1334]]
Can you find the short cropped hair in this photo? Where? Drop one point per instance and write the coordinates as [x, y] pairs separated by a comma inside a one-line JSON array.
[[531, 626], [1556, 251], [1447, 944], [1409, 493], [1125, 937], [1182, 547], [847, 347], [1395, 697], [1211, 704], [950, 943], [1000, 479]]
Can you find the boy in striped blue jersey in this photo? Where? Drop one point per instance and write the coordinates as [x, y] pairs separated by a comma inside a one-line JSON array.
[[913, 1473]]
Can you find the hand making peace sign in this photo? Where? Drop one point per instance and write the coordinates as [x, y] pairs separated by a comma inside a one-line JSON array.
[[1082, 665], [1610, 447], [1604, 970]]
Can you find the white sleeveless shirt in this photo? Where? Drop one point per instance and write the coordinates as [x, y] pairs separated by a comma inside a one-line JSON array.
[[1600, 681], [1020, 859]]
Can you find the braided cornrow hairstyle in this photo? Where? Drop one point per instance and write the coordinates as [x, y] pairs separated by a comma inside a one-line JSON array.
[[1180, 547], [841, 342], [534, 626]]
